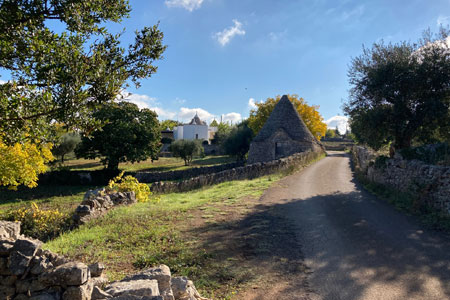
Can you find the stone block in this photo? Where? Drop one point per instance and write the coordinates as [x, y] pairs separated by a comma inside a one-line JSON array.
[[96, 269], [72, 273], [98, 294], [9, 230], [27, 246], [18, 263], [133, 288], [6, 247], [82, 292], [161, 274]]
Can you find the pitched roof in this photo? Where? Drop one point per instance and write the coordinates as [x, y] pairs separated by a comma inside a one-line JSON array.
[[285, 116], [196, 121]]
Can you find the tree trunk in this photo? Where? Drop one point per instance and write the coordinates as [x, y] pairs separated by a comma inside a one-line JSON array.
[[113, 164]]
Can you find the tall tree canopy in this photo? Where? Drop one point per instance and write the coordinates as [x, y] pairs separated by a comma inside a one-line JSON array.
[[309, 114], [60, 75], [129, 135], [62, 64], [401, 92]]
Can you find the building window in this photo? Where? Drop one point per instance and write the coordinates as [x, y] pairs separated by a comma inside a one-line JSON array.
[[196, 136]]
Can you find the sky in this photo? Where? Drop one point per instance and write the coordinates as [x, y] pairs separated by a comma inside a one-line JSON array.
[[225, 55]]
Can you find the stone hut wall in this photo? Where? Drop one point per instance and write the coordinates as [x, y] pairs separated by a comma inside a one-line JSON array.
[[250, 171], [429, 182]]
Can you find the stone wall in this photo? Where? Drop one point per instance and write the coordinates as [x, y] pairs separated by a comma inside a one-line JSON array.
[[102, 177], [251, 171], [29, 272], [97, 202], [429, 182]]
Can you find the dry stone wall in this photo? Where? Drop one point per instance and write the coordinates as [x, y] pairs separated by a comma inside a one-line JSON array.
[[297, 160], [29, 272], [429, 182], [97, 202]]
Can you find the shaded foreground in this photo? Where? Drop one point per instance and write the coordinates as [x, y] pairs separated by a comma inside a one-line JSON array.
[[355, 246]]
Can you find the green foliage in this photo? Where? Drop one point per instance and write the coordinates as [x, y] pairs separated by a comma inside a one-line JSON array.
[[169, 124], [438, 154], [187, 149], [129, 135], [400, 93], [38, 223], [67, 144], [223, 131], [130, 184], [62, 74], [380, 162], [238, 142], [330, 133], [214, 123]]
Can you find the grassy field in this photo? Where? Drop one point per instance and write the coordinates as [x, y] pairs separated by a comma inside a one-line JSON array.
[[162, 164], [147, 234], [63, 198]]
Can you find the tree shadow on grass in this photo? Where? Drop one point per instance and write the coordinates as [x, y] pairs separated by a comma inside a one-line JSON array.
[[39, 193], [354, 244]]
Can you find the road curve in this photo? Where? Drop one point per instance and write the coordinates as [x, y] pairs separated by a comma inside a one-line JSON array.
[[357, 246]]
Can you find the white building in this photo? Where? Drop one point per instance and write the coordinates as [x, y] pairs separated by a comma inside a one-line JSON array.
[[195, 130]]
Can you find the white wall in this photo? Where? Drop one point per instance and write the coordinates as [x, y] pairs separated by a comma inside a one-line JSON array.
[[191, 132], [178, 133]]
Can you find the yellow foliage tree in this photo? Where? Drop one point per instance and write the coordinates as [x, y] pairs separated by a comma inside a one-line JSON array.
[[21, 163], [309, 114]]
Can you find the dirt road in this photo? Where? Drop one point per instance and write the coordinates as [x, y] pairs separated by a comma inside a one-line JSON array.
[[356, 246]]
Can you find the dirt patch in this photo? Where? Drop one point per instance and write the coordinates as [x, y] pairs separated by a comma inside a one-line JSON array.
[[255, 245]]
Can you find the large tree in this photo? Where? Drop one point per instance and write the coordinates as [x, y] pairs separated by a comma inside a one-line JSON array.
[[309, 114], [128, 135], [238, 142], [401, 93], [62, 63]]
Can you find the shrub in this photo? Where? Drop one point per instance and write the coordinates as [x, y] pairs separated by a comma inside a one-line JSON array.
[[187, 149], [436, 154], [38, 223], [130, 184], [380, 162]]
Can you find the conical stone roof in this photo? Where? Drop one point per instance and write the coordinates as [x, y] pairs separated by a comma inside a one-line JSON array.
[[285, 116]]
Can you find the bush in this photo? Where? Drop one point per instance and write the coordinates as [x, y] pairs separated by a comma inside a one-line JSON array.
[[437, 154], [130, 184], [38, 223], [187, 149]]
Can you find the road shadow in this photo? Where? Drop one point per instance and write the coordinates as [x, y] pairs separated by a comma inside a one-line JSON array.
[[354, 243]]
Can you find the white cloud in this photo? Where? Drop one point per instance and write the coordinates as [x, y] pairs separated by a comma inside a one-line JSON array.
[[340, 122], [145, 101], [2, 81], [443, 20], [189, 5], [251, 103], [186, 114], [142, 101], [225, 36], [232, 117], [352, 14]]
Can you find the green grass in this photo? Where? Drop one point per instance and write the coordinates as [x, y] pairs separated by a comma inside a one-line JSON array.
[[146, 234], [162, 164], [63, 198]]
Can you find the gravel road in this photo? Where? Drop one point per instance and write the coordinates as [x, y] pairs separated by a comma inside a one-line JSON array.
[[356, 246]]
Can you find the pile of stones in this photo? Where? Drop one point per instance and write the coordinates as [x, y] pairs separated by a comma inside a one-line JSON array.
[[96, 202], [29, 272]]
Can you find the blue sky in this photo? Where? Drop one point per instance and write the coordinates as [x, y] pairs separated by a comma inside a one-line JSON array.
[[224, 54]]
